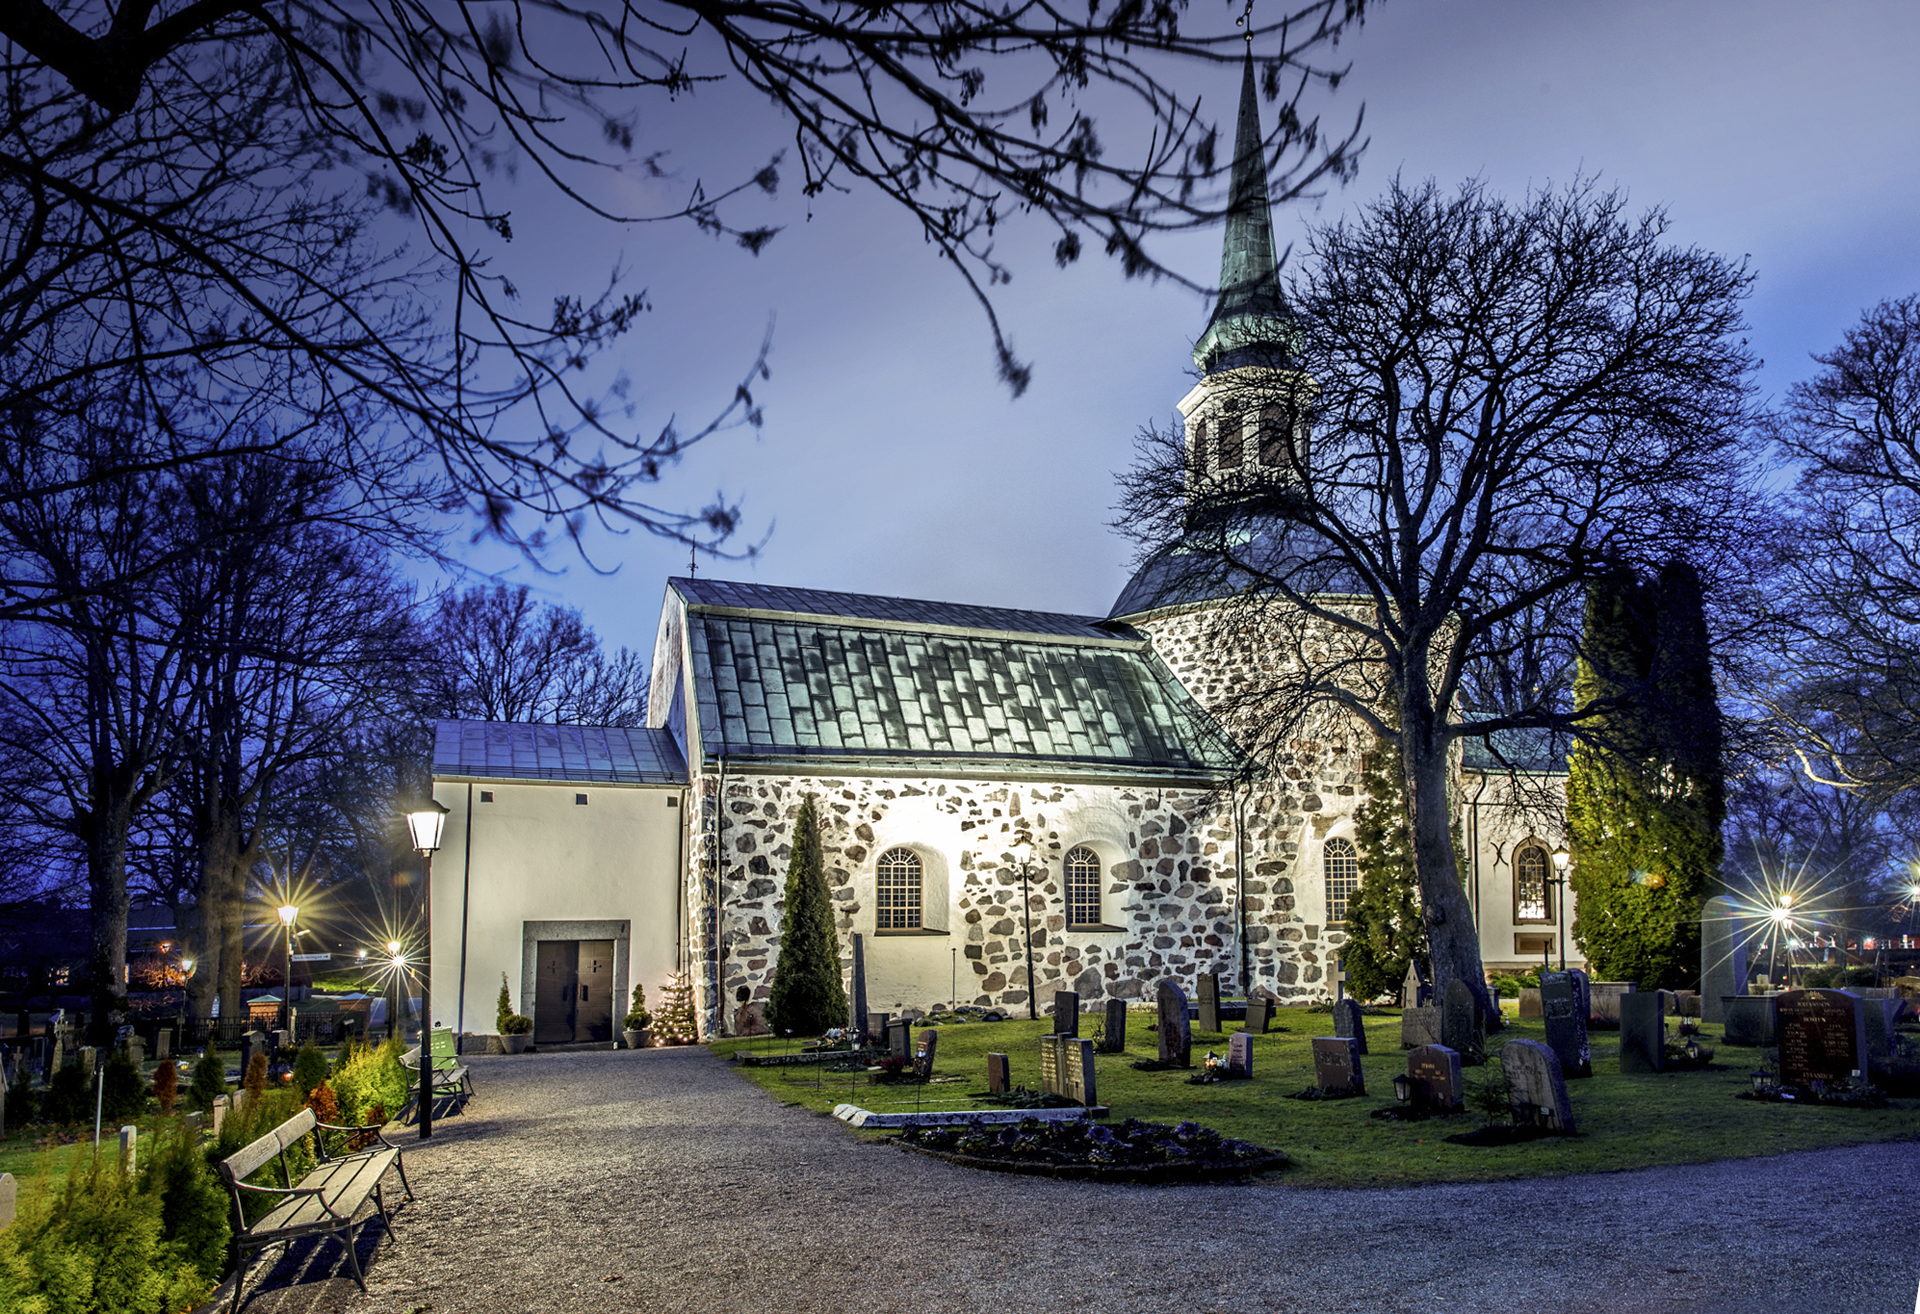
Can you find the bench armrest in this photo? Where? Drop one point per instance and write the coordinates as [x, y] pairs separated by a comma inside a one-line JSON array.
[[379, 1134]]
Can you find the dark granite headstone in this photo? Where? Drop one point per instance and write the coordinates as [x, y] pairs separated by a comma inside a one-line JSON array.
[[900, 1039], [1878, 1016], [1822, 1037], [1643, 1032], [1336, 1065], [1066, 1013], [1419, 1026], [1686, 1003], [1259, 1016], [1176, 1037], [1749, 1019], [163, 1043], [1434, 1071], [1723, 956], [1460, 1026], [1583, 991], [1348, 1020], [858, 1020], [1208, 1001], [877, 1024], [1116, 1028], [1240, 1053], [1530, 1005], [1536, 1090], [1566, 1022], [999, 1074], [1606, 1001], [923, 1053]]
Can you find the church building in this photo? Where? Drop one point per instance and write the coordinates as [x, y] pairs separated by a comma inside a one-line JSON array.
[[1011, 802]]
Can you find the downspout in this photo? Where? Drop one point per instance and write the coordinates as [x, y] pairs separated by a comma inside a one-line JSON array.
[[1026, 903], [1473, 855], [680, 879], [1240, 895], [719, 899], [466, 900]]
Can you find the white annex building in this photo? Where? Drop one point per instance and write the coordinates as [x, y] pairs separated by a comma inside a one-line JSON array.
[[1012, 802]]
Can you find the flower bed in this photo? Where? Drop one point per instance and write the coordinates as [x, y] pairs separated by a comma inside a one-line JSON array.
[[1134, 1151]]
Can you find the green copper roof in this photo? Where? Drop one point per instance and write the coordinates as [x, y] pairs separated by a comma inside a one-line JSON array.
[[1250, 313]]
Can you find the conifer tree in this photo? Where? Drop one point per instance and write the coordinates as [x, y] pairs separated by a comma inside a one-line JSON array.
[[675, 1022], [1384, 929], [808, 996], [1645, 795]]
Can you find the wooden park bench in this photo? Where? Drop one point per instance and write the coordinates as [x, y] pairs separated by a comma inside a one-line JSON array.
[[452, 1079], [322, 1204]]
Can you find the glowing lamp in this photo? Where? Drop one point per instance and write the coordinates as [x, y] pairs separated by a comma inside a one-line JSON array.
[[1560, 859], [424, 823], [287, 913]]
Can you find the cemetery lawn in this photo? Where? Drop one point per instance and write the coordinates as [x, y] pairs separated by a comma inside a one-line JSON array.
[[1624, 1122]]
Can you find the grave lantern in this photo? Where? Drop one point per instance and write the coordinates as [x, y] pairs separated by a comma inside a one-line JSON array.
[[1761, 1080], [1402, 1088]]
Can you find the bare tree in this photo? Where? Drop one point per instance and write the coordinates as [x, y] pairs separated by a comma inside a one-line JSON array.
[[1482, 402], [507, 658]]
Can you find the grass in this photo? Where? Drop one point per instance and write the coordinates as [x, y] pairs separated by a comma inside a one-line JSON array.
[[1624, 1121]]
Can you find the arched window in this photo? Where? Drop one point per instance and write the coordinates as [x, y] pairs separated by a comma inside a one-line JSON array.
[[1531, 902], [1083, 887], [1197, 454], [897, 892], [1341, 863], [1233, 439]]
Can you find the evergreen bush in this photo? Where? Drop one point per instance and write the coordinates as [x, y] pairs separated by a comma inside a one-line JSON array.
[[807, 996], [1384, 929], [503, 1008], [124, 1092], [370, 1077], [638, 1018], [69, 1096], [193, 1203], [209, 1081], [166, 1086], [677, 1022], [310, 1068]]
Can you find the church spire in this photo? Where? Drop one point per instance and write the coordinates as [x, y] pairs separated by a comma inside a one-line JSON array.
[[1250, 323]]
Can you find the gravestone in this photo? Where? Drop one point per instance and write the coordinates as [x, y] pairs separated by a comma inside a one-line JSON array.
[[1414, 990], [1460, 1023], [1536, 1090], [253, 1042], [900, 1039], [1176, 1038], [88, 1057], [858, 1017], [1348, 1020], [1822, 1037], [1259, 1016], [1066, 1069], [1566, 1021], [1336, 1065], [1434, 1073], [1240, 1054], [1606, 1001], [1116, 1027], [163, 1044], [129, 1136], [877, 1024], [55, 1059], [1749, 1019], [1643, 1032], [1878, 1015], [1419, 1026], [1723, 956], [1208, 1018], [8, 1194], [1686, 1003], [999, 1074], [1530, 1001], [136, 1050], [1066, 1013], [923, 1053], [222, 1106], [1583, 991]]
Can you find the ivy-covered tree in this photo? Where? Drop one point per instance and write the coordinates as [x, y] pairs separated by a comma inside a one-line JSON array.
[[1645, 796], [1384, 930], [808, 996]]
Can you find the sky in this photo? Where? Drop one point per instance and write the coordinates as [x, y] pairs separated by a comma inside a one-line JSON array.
[[893, 461]]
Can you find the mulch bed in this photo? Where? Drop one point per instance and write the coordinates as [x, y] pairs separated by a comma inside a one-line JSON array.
[[1504, 1134], [1134, 1151]]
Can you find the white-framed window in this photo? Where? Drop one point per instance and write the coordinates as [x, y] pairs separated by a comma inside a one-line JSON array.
[[1531, 902], [897, 888], [1340, 863], [1083, 887]]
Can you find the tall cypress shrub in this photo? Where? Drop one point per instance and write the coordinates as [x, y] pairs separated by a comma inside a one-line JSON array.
[[1645, 795], [1384, 928], [808, 997]]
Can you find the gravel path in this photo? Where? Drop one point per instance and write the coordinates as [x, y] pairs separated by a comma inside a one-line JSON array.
[[659, 1181]]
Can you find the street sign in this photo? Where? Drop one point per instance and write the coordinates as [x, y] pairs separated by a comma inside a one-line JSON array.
[[313, 958]]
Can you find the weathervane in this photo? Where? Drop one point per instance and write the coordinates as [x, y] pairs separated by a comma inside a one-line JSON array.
[[1246, 20]]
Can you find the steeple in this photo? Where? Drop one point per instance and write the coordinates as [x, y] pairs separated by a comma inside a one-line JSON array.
[[1250, 324]]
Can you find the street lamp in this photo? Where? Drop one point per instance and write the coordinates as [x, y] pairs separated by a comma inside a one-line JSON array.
[[1560, 860], [396, 966], [287, 915], [425, 823]]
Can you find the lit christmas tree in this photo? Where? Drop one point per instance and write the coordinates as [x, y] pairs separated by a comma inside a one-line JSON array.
[[675, 1023]]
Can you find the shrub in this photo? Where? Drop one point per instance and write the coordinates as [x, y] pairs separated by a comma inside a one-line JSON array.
[[255, 1080], [166, 1086], [310, 1068], [124, 1092], [325, 1107], [209, 1081], [262, 1114], [807, 995], [369, 1077], [517, 1024], [1818, 978], [503, 1009], [97, 1245], [69, 1096], [193, 1203], [638, 1019]]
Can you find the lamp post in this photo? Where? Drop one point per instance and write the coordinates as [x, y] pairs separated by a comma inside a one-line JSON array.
[[1913, 905], [288, 913], [424, 823], [1561, 859], [396, 965]]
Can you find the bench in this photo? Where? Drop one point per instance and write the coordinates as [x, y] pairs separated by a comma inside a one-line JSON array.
[[452, 1079], [325, 1201]]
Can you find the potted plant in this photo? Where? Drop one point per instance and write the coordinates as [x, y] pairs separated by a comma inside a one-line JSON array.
[[514, 1029], [635, 1030]]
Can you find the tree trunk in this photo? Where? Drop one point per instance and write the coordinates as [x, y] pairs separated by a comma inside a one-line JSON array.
[[203, 986], [1453, 940], [107, 943]]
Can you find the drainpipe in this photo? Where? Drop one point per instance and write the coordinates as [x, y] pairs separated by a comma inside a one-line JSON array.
[[719, 901], [1026, 904], [1240, 894], [1473, 854], [466, 900]]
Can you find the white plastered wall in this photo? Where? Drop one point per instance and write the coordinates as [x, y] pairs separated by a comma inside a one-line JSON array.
[[538, 856], [1495, 830]]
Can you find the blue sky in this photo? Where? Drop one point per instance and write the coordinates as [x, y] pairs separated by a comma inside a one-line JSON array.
[[892, 461]]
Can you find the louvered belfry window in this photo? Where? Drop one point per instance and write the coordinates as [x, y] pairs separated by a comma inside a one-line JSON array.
[[1233, 439], [897, 905], [1083, 887]]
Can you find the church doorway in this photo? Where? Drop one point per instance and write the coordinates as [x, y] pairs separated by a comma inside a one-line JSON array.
[[573, 992]]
